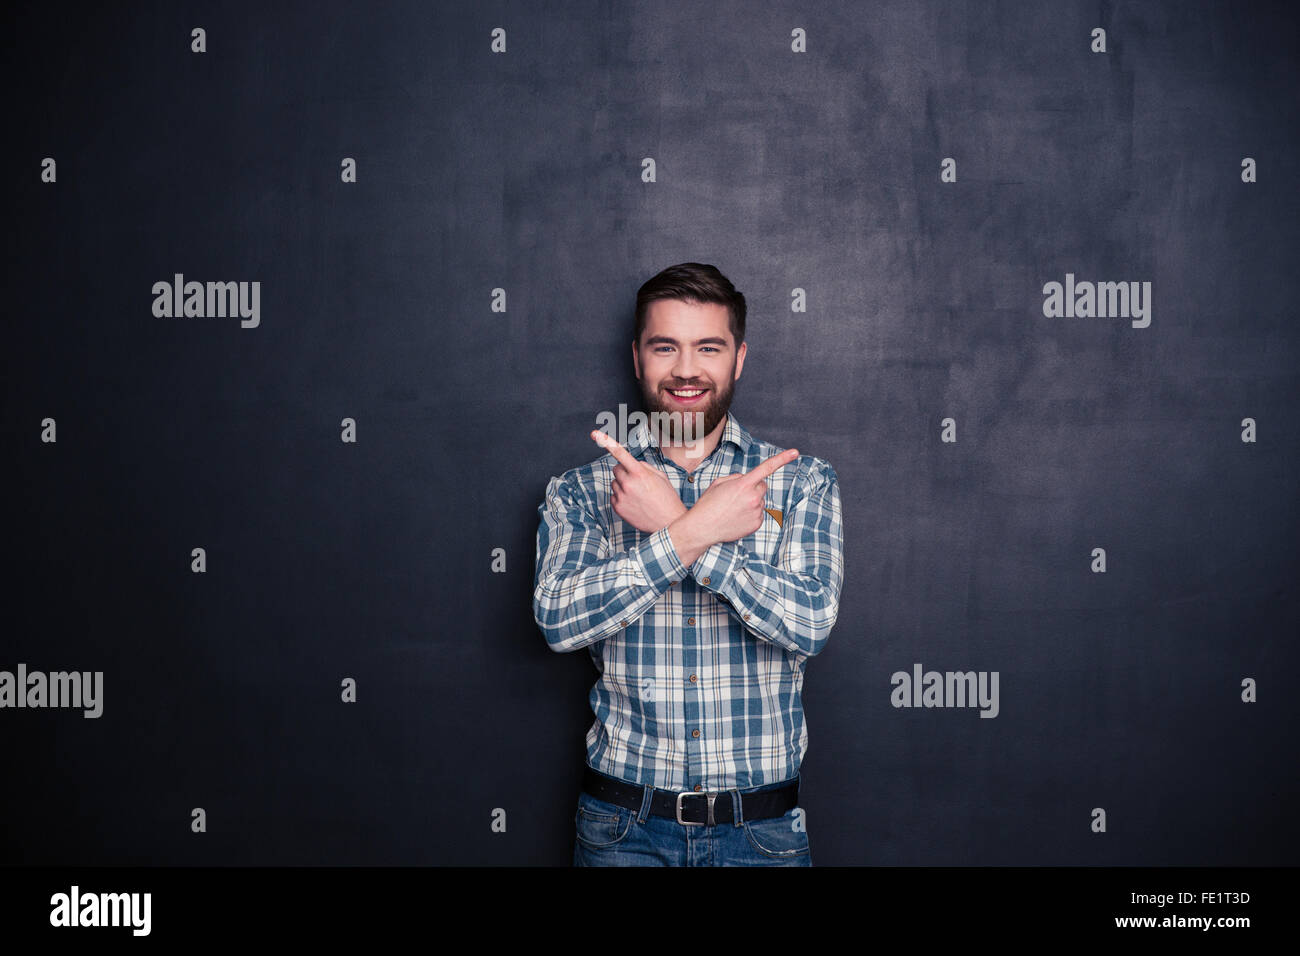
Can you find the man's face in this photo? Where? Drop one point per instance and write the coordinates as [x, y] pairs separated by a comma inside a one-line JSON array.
[[688, 347]]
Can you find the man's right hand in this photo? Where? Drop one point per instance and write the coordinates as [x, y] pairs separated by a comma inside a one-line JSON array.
[[731, 508]]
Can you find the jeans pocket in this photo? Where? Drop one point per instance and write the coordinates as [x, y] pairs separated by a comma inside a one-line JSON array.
[[777, 837], [599, 824]]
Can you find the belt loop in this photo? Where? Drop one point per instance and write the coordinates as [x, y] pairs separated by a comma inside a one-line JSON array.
[[646, 799], [737, 815]]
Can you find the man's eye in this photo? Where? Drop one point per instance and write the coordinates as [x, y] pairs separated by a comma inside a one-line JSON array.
[[710, 348]]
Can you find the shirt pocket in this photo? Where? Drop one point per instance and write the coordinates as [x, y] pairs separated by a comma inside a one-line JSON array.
[[767, 538]]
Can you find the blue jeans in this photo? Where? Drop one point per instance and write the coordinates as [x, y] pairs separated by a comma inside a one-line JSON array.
[[610, 835]]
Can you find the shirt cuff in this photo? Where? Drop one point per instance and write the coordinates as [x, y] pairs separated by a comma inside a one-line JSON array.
[[715, 567], [660, 563]]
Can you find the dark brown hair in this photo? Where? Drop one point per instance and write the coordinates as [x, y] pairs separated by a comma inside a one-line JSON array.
[[692, 282]]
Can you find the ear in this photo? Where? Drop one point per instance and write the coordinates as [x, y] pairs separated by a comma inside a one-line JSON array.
[[636, 359], [740, 357]]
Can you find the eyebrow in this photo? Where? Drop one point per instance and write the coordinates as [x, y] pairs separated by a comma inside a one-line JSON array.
[[666, 340]]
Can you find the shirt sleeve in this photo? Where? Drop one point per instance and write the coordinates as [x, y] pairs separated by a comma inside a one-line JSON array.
[[794, 602], [582, 591]]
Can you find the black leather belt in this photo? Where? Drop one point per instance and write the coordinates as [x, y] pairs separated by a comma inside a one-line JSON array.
[[692, 807]]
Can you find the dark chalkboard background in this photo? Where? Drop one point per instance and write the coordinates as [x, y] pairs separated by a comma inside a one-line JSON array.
[[522, 171]]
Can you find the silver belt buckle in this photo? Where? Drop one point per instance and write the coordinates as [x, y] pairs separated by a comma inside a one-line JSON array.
[[691, 793]]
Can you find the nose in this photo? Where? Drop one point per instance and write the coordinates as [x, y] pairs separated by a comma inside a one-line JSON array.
[[687, 366]]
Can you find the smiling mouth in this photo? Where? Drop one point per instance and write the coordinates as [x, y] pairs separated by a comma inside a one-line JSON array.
[[686, 395]]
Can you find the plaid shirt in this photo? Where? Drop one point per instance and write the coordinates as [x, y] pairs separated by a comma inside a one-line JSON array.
[[701, 668]]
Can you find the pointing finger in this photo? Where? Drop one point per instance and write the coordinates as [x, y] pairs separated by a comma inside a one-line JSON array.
[[779, 460], [621, 454]]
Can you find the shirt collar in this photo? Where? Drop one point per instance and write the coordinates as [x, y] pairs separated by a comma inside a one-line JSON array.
[[639, 438]]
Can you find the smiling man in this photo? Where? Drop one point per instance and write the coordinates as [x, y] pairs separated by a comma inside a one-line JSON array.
[[700, 575]]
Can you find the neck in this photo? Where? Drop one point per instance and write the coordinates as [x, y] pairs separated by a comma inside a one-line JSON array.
[[689, 456]]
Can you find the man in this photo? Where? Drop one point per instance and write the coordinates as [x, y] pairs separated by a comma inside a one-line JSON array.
[[700, 572]]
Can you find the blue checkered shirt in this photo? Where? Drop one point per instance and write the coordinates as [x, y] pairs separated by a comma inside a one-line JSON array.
[[701, 668]]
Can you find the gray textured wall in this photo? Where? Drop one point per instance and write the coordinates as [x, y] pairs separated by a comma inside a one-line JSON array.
[[818, 171]]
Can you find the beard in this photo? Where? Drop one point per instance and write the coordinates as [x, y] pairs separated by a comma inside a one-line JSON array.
[[712, 406]]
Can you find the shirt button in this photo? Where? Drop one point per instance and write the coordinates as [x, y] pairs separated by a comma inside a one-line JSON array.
[[698, 788], [695, 733], [690, 621], [691, 479], [622, 623], [746, 617], [694, 678], [705, 581], [671, 583]]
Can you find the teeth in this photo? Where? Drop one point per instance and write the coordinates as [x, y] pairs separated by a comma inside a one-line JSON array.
[[688, 394]]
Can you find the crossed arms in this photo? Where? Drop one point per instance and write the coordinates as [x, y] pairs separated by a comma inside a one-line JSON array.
[[585, 592]]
